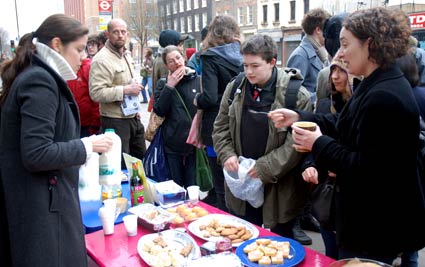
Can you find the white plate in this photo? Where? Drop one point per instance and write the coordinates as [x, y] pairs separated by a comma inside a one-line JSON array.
[[223, 219], [225, 259], [176, 240]]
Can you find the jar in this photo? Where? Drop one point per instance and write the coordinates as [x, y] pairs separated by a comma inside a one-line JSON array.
[[223, 245]]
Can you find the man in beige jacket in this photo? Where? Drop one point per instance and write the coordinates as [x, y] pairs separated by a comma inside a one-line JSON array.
[[112, 77]]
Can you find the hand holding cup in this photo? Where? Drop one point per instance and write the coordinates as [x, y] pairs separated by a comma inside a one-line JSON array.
[[305, 134]]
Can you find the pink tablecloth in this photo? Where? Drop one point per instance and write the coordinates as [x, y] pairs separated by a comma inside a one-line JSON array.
[[120, 250]]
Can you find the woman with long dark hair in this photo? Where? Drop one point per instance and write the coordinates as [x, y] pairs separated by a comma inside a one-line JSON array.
[[41, 151]]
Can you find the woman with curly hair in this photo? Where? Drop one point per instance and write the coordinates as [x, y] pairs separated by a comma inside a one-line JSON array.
[[372, 146]]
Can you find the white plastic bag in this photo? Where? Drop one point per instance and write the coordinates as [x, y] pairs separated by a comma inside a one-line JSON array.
[[243, 186], [89, 188]]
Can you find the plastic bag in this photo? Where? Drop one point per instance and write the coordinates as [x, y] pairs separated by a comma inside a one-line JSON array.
[[154, 161], [243, 186], [203, 171]]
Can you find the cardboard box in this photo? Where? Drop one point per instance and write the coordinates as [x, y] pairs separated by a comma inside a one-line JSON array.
[[170, 194]]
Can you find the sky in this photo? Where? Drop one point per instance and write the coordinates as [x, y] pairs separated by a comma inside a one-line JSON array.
[[31, 13]]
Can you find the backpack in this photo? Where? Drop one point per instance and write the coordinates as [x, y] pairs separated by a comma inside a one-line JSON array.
[[290, 94]]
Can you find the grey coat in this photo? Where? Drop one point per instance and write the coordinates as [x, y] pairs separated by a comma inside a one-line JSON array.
[[284, 191], [40, 153]]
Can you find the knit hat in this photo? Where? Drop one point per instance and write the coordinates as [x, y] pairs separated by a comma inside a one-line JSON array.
[[171, 37], [344, 96]]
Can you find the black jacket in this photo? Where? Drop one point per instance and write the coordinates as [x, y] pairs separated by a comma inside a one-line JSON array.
[[379, 202], [219, 65], [40, 153], [176, 126]]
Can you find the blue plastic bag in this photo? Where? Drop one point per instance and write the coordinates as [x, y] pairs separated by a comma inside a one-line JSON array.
[[154, 161]]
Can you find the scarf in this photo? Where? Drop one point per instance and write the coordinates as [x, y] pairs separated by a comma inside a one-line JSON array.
[[320, 50]]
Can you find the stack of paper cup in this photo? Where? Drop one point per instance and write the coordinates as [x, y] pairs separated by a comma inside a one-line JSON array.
[[107, 216], [130, 223]]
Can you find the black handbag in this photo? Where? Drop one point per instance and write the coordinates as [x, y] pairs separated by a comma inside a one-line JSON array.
[[322, 198]]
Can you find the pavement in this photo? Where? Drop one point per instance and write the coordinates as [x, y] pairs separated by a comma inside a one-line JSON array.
[[317, 238]]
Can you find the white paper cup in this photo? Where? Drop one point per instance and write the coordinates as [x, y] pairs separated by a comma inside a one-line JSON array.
[[110, 203], [107, 217], [193, 192], [130, 223]]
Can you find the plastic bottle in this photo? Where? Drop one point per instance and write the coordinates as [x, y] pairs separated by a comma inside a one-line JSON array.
[[110, 168], [137, 191], [110, 161]]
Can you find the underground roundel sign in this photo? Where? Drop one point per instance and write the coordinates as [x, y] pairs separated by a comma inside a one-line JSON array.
[[105, 6]]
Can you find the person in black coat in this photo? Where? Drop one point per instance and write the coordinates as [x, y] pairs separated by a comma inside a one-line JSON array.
[[372, 146], [221, 61], [184, 82], [41, 151]]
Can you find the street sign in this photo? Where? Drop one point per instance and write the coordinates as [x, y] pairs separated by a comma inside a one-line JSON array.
[[417, 20], [105, 6]]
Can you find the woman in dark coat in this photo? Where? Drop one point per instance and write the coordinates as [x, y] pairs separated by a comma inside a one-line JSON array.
[[40, 150], [185, 82], [372, 146], [221, 61]]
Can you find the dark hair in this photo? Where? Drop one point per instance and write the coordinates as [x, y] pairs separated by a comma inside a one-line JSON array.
[[149, 52], [407, 65], [66, 28], [388, 31], [314, 18], [331, 31], [93, 38], [204, 33], [168, 49], [102, 37], [222, 30], [260, 45]]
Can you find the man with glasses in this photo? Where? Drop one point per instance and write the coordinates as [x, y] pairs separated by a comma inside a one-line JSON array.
[[112, 78]]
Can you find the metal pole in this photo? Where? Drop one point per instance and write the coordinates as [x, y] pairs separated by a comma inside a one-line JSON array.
[[17, 19]]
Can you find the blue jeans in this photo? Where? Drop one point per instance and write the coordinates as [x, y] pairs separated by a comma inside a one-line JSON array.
[[409, 259], [182, 168], [148, 81]]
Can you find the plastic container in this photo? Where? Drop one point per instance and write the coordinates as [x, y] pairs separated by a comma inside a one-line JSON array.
[[111, 191], [110, 161]]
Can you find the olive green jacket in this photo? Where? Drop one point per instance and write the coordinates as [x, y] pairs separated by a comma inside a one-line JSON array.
[[285, 192]]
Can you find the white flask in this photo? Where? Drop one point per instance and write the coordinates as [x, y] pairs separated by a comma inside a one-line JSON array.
[[110, 161]]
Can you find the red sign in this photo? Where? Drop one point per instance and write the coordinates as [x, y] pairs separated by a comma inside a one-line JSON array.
[[105, 6], [417, 20]]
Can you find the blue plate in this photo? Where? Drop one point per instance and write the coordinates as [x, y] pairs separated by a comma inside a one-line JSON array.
[[296, 250]]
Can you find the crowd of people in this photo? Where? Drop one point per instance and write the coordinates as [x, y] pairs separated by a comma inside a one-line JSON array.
[[357, 76]]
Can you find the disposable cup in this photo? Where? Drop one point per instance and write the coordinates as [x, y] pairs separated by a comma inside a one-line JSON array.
[[130, 223], [107, 217], [110, 203], [193, 192]]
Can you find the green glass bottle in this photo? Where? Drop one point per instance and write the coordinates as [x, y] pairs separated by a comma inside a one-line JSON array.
[[137, 191]]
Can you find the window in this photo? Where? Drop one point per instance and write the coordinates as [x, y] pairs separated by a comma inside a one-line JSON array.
[[249, 15], [226, 12], [204, 3], [276, 12], [265, 14], [175, 9], [182, 24], [196, 22], [188, 4], [189, 24], [181, 6], [307, 6], [240, 15], [204, 19], [176, 24], [132, 1], [168, 24], [195, 4], [168, 10], [292, 10]]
